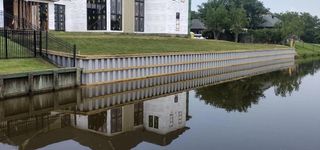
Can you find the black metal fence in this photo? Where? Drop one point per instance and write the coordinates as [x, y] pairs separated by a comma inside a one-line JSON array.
[[21, 39], [18, 43], [32, 43]]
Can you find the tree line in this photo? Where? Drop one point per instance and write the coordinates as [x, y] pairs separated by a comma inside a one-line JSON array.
[[230, 18]]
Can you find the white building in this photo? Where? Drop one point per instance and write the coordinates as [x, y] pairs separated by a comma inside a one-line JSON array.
[[129, 16]]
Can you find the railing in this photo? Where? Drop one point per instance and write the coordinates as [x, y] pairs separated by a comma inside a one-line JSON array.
[[54, 44], [32, 43], [23, 39], [18, 43]]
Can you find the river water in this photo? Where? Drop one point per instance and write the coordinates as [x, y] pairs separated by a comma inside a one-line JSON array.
[[272, 111]]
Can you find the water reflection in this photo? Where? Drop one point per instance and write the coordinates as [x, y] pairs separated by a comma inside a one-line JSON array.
[[90, 118], [242, 94], [40, 122]]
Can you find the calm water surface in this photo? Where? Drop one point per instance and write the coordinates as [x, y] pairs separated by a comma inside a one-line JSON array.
[[274, 111]]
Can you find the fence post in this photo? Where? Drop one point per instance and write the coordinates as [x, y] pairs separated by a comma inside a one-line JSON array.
[[47, 43], [40, 42], [74, 55], [35, 43], [6, 42]]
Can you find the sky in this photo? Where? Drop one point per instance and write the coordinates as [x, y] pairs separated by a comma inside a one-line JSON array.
[[311, 6]]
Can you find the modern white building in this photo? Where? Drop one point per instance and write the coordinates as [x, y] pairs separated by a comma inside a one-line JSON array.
[[128, 16]]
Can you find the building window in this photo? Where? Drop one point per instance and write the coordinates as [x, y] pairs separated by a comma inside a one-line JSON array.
[[59, 17], [151, 121], [116, 120], [171, 121], [98, 122], [180, 117], [154, 122], [43, 14], [139, 15], [96, 15], [116, 15], [178, 16], [176, 99], [177, 21], [138, 114]]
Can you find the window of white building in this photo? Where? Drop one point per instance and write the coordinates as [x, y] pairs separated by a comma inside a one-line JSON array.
[[96, 15], [154, 122], [139, 15], [116, 120], [59, 17], [116, 15], [177, 21]]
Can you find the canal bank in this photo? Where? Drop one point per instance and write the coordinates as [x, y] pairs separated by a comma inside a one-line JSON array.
[[141, 71], [19, 84], [118, 68], [101, 97]]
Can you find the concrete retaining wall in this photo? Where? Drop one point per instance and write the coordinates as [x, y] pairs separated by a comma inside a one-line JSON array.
[[106, 69], [102, 96], [34, 82]]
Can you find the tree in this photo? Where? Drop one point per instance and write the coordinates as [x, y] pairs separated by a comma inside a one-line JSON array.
[[317, 35], [238, 21], [311, 24], [254, 11], [194, 15], [215, 16], [291, 26]]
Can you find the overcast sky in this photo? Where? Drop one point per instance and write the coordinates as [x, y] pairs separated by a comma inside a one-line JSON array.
[[311, 6]]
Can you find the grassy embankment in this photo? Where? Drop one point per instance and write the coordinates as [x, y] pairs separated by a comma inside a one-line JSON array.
[[8, 66], [112, 44], [307, 50]]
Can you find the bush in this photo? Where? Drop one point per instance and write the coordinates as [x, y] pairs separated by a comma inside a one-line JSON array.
[[270, 36]]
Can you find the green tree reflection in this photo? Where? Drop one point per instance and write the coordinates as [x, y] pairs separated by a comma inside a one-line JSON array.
[[241, 95]]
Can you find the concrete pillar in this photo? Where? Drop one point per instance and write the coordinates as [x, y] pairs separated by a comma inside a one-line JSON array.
[[1, 88], [128, 15], [78, 77], [55, 80], [30, 82]]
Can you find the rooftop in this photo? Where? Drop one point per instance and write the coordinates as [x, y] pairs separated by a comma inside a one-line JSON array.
[[197, 24]]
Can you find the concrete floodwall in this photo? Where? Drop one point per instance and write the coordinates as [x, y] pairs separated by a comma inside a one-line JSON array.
[[117, 94], [102, 97], [12, 85], [107, 69]]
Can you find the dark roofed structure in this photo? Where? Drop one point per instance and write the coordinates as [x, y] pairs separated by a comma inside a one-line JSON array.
[[197, 26]]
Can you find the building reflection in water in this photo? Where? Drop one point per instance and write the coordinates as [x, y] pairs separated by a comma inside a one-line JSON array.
[[36, 122], [161, 116]]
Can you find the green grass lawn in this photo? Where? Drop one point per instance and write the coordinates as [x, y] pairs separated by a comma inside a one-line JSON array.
[[109, 44], [8, 66], [307, 49]]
